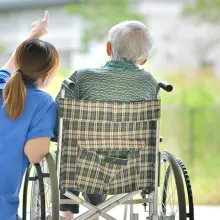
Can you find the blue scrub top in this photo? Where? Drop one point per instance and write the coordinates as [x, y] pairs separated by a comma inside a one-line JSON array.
[[36, 121]]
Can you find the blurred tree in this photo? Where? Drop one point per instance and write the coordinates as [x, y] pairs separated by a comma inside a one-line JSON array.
[[205, 9], [193, 108], [102, 15]]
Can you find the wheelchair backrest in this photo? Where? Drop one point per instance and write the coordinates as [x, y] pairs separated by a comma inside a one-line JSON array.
[[108, 147]]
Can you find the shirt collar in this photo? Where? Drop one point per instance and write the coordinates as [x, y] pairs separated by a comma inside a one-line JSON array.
[[114, 64]]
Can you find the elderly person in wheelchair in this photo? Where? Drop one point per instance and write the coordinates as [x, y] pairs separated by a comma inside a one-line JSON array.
[[108, 144], [120, 79]]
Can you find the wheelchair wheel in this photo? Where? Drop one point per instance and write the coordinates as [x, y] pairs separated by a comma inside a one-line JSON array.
[[25, 194], [189, 195], [44, 198], [171, 202], [37, 206]]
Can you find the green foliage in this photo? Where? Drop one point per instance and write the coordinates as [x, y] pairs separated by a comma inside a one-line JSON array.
[[205, 9], [101, 15], [190, 124], [194, 91]]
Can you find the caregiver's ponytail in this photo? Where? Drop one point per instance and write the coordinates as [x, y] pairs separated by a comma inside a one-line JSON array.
[[14, 95]]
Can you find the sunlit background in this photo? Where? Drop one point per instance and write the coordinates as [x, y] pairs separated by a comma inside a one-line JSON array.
[[186, 53]]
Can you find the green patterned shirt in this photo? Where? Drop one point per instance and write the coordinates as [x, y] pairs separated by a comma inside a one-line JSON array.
[[119, 81], [116, 81]]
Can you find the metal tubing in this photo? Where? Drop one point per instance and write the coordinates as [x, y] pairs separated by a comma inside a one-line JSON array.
[[131, 211], [59, 145], [67, 201], [125, 212], [106, 206], [80, 201], [136, 201], [155, 193], [153, 207]]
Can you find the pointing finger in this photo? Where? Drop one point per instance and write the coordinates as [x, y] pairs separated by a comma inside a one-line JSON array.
[[46, 16]]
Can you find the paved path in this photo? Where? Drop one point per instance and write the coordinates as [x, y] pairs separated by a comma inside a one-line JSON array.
[[201, 212], [207, 213]]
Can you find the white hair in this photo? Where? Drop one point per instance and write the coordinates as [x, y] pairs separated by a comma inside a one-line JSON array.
[[131, 41]]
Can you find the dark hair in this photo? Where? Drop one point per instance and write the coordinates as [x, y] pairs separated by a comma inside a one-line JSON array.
[[33, 59]]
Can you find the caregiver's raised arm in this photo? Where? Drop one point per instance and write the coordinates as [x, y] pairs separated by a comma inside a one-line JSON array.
[[39, 28]]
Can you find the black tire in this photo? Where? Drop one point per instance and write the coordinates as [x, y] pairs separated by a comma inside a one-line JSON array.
[[41, 190], [172, 173], [190, 210], [44, 184], [36, 178], [25, 193]]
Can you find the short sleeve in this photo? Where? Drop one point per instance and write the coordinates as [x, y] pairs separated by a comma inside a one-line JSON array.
[[4, 77], [43, 120]]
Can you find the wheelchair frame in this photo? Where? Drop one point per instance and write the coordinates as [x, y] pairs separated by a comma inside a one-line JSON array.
[[121, 199], [127, 198]]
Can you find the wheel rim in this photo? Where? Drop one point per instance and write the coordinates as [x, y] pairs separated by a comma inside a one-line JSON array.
[[47, 188], [168, 197], [35, 203], [35, 208]]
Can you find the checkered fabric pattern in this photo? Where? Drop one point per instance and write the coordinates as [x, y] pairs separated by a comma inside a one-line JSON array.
[[108, 148]]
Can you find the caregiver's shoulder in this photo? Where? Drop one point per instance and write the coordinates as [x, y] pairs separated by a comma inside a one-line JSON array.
[[43, 98]]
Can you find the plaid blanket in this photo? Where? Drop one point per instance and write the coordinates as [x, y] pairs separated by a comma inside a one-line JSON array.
[[108, 148]]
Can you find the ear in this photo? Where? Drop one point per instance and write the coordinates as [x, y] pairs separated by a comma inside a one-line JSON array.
[[143, 62], [109, 48]]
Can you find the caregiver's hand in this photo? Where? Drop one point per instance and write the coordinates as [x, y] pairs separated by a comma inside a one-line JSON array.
[[39, 27]]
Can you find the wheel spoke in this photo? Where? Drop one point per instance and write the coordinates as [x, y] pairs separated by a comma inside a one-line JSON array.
[[35, 211], [170, 184], [39, 194]]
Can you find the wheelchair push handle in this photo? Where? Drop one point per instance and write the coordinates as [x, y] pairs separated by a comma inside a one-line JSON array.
[[68, 84], [166, 86]]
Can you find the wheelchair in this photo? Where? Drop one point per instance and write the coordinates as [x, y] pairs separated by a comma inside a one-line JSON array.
[[109, 148]]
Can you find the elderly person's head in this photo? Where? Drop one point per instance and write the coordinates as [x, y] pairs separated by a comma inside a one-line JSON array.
[[131, 41]]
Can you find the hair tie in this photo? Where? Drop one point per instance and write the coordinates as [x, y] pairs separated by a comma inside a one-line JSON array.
[[20, 71], [26, 78]]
